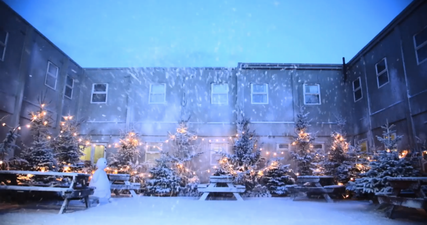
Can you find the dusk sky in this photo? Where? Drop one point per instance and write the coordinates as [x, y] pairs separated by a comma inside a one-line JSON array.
[[208, 33]]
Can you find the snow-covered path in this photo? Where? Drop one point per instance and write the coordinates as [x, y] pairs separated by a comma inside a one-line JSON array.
[[189, 211]]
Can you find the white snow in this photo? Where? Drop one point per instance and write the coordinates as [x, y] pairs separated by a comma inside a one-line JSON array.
[[189, 211]]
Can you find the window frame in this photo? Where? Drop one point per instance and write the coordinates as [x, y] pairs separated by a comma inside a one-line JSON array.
[[226, 148], [146, 151], [304, 94], [150, 93], [278, 148], [53, 76], [417, 47], [259, 93], [99, 92], [219, 93], [4, 44], [357, 89], [382, 72], [70, 87]]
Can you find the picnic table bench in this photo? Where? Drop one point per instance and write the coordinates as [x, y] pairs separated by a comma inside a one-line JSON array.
[[120, 182], [397, 198], [316, 185], [221, 184], [71, 186]]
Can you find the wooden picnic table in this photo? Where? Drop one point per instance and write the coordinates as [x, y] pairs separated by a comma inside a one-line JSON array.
[[316, 185], [121, 182], [71, 186], [221, 184], [404, 184]]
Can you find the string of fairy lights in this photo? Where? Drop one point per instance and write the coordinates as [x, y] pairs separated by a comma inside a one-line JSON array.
[[159, 145]]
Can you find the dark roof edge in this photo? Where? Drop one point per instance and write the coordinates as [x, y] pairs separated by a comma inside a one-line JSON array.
[[159, 68], [289, 66], [384, 32]]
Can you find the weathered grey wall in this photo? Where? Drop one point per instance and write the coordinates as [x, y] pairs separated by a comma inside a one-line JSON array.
[[23, 73], [401, 101]]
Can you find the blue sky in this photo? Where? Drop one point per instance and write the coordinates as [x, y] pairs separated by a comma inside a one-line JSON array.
[[208, 33]]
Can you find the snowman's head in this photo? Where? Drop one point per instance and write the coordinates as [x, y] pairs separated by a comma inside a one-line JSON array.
[[101, 164]]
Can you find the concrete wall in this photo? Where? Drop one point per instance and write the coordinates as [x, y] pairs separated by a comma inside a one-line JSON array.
[[23, 74], [400, 101]]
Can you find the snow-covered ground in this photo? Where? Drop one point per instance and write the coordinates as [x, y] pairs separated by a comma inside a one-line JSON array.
[[188, 211]]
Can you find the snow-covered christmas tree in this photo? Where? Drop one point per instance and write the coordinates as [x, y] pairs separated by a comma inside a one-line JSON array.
[[243, 163], [164, 180], [303, 153], [40, 154], [8, 146], [66, 145], [338, 162], [386, 163], [276, 176], [126, 158], [183, 150]]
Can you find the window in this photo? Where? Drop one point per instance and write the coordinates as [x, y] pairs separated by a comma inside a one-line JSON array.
[[69, 84], [152, 152], [382, 72], [318, 147], [215, 148], [282, 148], [99, 93], [259, 93], [420, 43], [364, 146], [357, 89], [92, 153], [157, 94], [51, 75], [219, 94], [311, 94], [3, 43]]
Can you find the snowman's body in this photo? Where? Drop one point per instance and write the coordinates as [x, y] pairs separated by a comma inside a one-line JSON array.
[[100, 181]]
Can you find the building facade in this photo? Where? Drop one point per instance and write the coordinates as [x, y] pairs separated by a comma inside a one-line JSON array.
[[385, 81]]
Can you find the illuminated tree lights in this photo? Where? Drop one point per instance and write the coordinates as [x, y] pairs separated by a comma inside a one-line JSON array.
[[40, 154], [66, 145], [126, 158], [303, 153], [386, 163]]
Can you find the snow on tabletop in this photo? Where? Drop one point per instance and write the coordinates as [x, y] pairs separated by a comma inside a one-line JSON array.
[[407, 178], [189, 211], [314, 177]]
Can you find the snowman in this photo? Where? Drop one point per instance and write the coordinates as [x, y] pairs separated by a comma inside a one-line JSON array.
[[100, 182]]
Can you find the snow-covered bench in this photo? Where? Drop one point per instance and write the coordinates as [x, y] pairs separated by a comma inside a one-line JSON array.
[[213, 188], [399, 184], [120, 182], [316, 185], [76, 188]]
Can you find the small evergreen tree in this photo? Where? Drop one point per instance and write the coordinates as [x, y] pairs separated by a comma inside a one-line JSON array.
[[66, 144], [126, 158], [386, 163], [243, 163], [303, 153], [7, 146], [338, 162], [40, 154], [276, 177], [183, 151], [164, 180]]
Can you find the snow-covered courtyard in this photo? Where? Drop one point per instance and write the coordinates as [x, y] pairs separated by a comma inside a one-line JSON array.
[[188, 211]]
